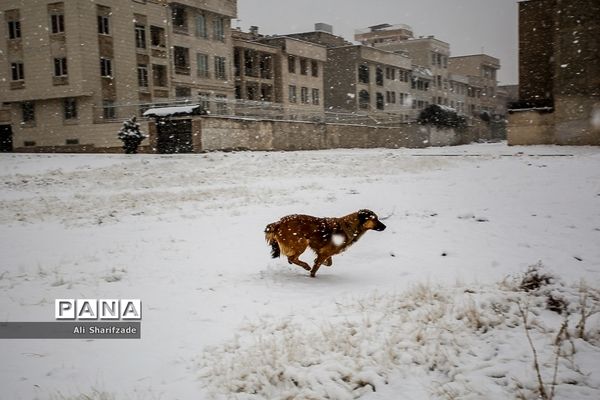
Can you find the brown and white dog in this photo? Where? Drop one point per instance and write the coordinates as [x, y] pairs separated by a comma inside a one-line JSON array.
[[291, 235]]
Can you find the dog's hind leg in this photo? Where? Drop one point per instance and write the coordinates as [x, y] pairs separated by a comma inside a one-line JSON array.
[[328, 262], [294, 260]]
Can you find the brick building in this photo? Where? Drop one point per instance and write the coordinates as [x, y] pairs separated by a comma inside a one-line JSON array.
[[68, 68], [559, 73]]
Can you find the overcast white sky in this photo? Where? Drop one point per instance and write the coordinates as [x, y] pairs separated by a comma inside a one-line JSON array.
[[470, 26]]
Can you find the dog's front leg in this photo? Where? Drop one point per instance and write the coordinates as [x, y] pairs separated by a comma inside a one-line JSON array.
[[314, 269]]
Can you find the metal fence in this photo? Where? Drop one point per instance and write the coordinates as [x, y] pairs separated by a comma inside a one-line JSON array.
[[109, 112]]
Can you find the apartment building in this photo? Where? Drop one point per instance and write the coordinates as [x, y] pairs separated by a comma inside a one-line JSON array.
[[362, 78], [383, 33], [481, 70], [420, 96], [70, 67], [559, 74], [430, 53], [368, 80], [281, 70], [460, 89]]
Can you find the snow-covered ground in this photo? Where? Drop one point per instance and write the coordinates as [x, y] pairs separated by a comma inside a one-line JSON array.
[[421, 310]]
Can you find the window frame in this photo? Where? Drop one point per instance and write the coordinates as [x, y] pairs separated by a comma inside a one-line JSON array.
[[103, 25], [17, 70], [142, 75], [106, 70], [14, 29], [57, 23], [220, 68], [70, 111], [140, 36], [60, 67]]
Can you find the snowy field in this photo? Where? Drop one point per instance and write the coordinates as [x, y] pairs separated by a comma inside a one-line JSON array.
[[434, 307]]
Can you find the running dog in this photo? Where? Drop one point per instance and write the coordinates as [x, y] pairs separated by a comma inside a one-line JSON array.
[[291, 235]]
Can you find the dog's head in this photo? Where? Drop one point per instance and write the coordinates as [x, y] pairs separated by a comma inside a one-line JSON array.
[[368, 220]]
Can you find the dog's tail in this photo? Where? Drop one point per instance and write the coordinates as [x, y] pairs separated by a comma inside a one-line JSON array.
[[270, 237]]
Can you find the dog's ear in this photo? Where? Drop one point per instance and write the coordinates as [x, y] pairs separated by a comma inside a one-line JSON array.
[[363, 216]]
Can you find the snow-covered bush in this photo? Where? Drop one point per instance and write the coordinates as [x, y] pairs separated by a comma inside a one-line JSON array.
[[442, 117], [131, 136]]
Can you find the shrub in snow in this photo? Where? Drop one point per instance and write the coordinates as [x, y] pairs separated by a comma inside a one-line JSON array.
[[470, 344], [131, 136], [442, 117]]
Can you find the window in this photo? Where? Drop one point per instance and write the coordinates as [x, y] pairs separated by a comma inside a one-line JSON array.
[[57, 23], [157, 36], [221, 101], [363, 74], [249, 64], [183, 92], [314, 66], [28, 111], [265, 66], [202, 65], [159, 75], [60, 67], [316, 97], [203, 100], [379, 101], [70, 108], [105, 67], [390, 97], [219, 29], [304, 66], [379, 76], [266, 93], [103, 25], [142, 73], [181, 60], [220, 71], [292, 93], [14, 29], [179, 18], [72, 141], [304, 95], [291, 64], [17, 71], [201, 26], [364, 100], [252, 91], [108, 109], [401, 98], [390, 73], [140, 36]]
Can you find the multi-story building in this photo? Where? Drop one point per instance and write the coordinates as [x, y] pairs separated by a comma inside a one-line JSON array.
[[481, 70], [69, 67], [420, 96], [430, 53], [383, 33], [284, 73], [366, 79], [361, 78], [459, 93], [559, 73]]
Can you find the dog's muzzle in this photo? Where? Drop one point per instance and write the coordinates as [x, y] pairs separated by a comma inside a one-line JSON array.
[[380, 227]]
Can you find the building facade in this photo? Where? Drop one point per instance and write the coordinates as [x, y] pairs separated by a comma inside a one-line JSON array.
[[69, 67], [432, 54], [559, 74], [481, 71]]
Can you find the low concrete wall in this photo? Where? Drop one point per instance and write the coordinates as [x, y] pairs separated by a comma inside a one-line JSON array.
[[530, 127], [239, 134], [572, 122]]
